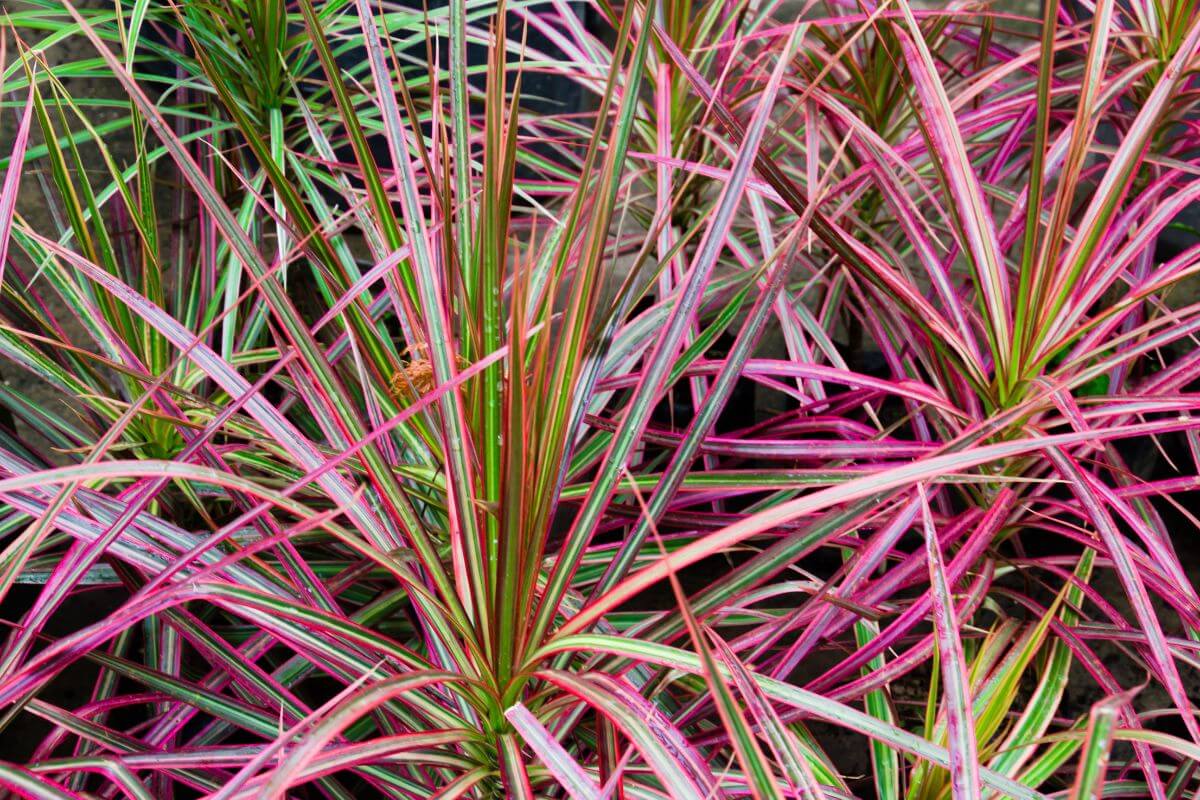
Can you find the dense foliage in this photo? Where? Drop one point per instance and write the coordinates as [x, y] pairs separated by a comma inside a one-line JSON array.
[[808, 411]]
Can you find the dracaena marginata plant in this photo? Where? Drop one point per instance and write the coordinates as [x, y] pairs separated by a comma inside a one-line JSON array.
[[399, 415]]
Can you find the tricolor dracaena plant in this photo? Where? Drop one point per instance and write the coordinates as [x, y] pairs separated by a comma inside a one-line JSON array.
[[808, 412]]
